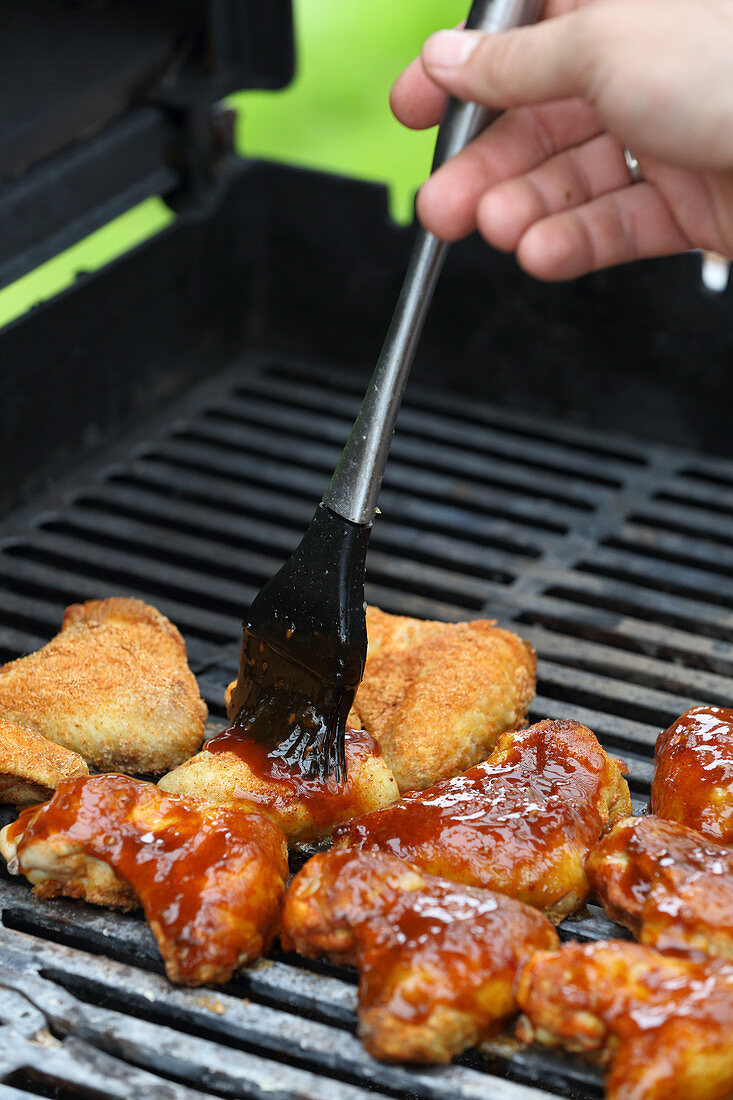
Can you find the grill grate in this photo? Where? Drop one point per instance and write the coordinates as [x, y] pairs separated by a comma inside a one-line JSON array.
[[612, 557]]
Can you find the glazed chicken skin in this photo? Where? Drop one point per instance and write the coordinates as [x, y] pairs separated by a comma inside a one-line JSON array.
[[663, 1024], [693, 774], [114, 686], [210, 878], [31, 766], [521, 823], [436, 963], [437, 696], [234, 770], [671, 886]]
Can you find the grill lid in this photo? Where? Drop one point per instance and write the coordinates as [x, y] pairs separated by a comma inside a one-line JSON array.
[[103, 105]]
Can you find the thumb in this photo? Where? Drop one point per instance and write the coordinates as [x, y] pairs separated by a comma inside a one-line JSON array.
[[529, 65]]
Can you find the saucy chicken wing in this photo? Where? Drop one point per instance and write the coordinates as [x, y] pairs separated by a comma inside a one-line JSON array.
[[31, 766], [664, 1024], [521, 823], [670, 885], [236, 770], [436, 962], [693, 774], [114, 686], [210, 878]]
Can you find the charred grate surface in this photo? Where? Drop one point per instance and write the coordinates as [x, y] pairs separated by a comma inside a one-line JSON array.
[[612, 557]]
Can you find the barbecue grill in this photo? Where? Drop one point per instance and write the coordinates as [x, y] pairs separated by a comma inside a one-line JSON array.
[[562, 464]]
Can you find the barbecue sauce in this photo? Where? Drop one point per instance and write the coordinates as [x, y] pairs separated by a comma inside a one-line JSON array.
[[665, 1023], [668, 884], [693, 778], [283, 783], [519, 823], [418, 940], [209, 877], [456, 940]]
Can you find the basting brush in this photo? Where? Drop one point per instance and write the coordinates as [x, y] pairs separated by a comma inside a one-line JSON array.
[[304, 641]]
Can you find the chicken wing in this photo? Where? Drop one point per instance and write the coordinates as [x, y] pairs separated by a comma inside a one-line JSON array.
[[210, 878], [436, 962], [693, 775], [232, 769], [670, 885], [664, 1024], [31, 766], [521, 823], [114, 686]]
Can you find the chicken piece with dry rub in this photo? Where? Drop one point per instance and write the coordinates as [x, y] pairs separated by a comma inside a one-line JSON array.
[[663, 1024], [670, 885], [521, 823], [234, 769], [693, 775], [31, 766], [114, 686], [437, 696], [437, 962], [210, 878]]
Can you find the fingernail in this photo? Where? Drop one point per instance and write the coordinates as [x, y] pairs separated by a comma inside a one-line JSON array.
[[450, 49]]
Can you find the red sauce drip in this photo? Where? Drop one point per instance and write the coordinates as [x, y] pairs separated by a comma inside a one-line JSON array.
[[693, 778], [209, 877], [283, 783]]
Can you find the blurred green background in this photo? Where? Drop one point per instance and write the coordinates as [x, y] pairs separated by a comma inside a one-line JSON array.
[[335, 116]]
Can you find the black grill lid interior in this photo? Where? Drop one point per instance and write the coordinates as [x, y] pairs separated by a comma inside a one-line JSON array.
[[105, 104]]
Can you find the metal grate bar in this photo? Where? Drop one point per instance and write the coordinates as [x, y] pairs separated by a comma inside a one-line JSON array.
[[229, 516], [630, 668], [501, 420], [657, 545], [199, 1062], [77, 1068], [642, 705], [98, 986], [424, 455], [243, 464], [632, 599], [169, 535], [683, 580], [134, 568], [307, 418], [258, 395], [628, 632], [72, 580], [700, 522]]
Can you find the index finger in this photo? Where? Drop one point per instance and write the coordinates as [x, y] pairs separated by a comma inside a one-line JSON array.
[[417, 102]]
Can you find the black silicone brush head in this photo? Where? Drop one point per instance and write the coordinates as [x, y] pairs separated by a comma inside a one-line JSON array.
[[304, 649]]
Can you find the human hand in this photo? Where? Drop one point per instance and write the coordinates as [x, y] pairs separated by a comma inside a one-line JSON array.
[[548, 179]]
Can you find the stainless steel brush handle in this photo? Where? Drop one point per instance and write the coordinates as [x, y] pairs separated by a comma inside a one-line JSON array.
[[354, 487]]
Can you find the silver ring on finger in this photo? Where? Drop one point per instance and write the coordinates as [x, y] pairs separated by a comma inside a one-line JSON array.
[[633, 166]]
